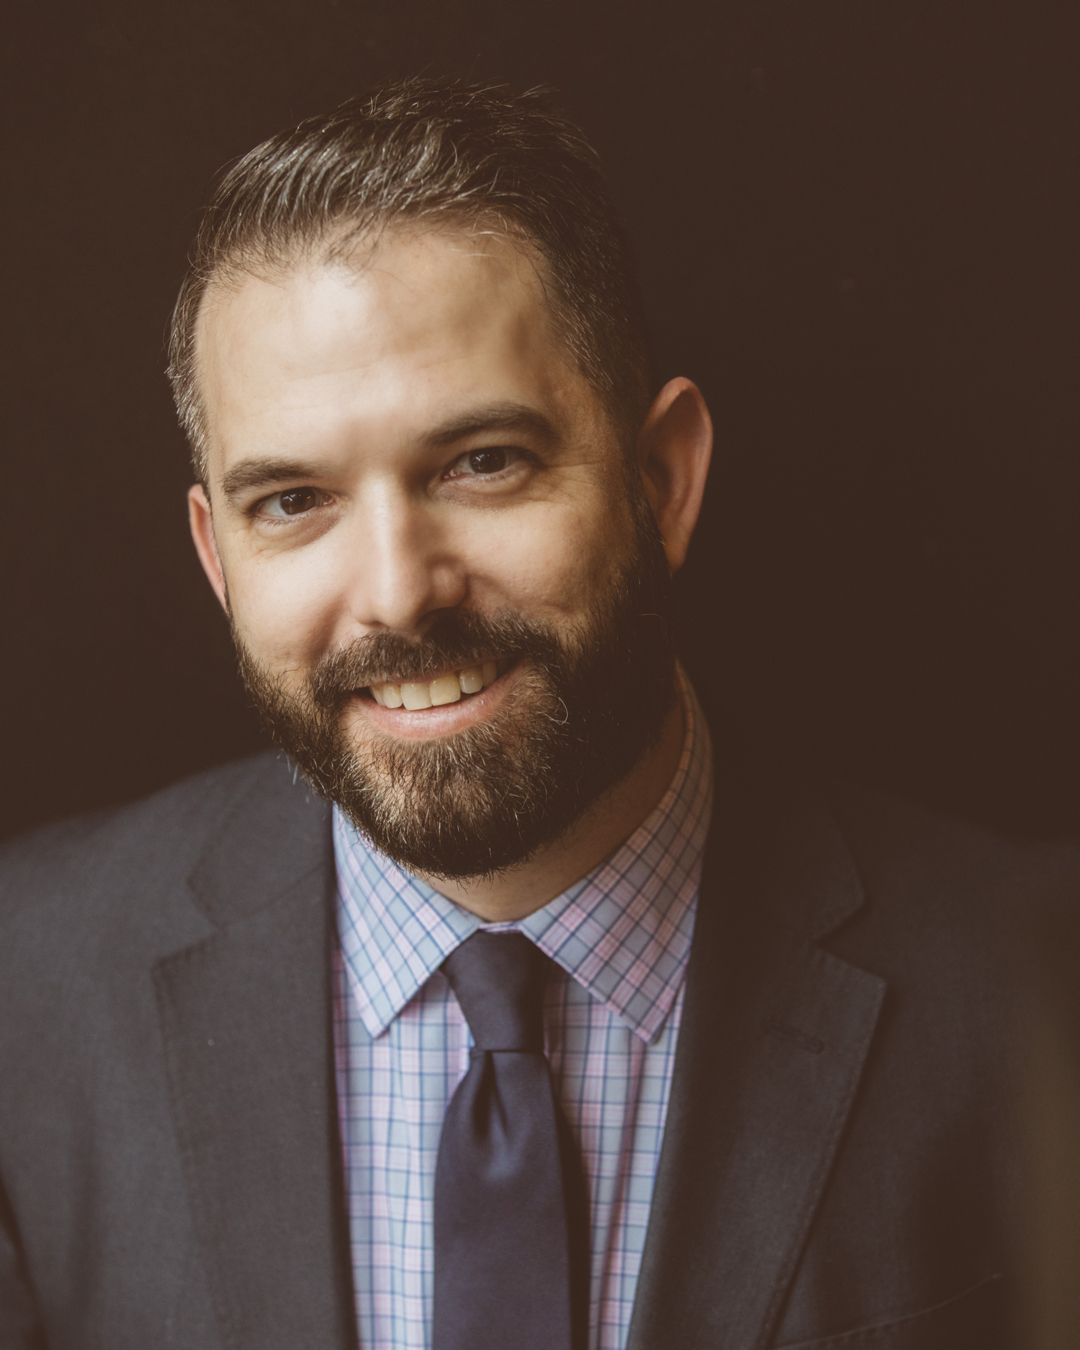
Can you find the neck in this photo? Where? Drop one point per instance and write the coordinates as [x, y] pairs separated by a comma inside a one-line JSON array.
[[613, 818]]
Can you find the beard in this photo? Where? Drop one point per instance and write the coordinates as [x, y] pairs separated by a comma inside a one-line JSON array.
[[584, 709]]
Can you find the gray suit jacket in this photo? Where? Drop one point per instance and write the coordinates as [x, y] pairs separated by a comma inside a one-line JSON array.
[[169, 1151]]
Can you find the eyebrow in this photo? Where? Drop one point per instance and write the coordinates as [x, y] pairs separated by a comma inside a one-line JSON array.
[[258, 473], [505, 416]]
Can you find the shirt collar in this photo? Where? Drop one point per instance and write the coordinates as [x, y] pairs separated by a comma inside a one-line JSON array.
[[622, 932]]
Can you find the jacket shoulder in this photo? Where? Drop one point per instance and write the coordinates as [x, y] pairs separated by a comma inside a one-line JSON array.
[[160, 836], [928, 859], [880, 874]]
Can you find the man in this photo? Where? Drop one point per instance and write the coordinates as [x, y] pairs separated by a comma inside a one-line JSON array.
[[526, 1041]]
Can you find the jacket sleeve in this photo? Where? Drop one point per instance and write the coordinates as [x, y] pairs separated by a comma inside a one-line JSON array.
[[20, 1326]]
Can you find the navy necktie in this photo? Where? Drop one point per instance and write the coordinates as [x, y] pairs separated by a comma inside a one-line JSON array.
[[511, 1222]]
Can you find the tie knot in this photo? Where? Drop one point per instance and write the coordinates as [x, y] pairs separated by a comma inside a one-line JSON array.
[[498, 979]]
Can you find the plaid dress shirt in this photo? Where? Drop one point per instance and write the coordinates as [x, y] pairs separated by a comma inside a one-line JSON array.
[[620, 940]]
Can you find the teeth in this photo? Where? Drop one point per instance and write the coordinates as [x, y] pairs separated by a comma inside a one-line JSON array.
[[446, 689], [416, 696]]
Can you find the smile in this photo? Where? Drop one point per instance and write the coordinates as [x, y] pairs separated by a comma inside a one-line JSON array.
[[415, 695]]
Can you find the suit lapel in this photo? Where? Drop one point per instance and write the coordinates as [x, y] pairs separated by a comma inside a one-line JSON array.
[[774, 1034], [246, 1021]]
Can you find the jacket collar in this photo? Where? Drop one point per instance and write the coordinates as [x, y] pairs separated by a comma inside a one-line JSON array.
[[246, 1025], [774, 1035]]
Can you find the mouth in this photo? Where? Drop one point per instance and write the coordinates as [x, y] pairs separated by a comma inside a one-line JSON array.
[[450, 687]]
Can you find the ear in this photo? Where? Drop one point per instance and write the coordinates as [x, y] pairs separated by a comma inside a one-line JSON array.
[[202, 531], [674, 449]]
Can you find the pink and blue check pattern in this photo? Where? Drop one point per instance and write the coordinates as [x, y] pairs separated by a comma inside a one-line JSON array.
[[620, 941]]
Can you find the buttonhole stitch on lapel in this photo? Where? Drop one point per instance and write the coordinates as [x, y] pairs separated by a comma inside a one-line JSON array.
[[804, 1042]]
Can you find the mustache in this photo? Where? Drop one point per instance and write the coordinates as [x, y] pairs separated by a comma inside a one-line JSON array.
[[454, 639]]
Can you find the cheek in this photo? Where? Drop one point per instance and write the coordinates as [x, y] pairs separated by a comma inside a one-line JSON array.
[[555, 560], [287, 608]]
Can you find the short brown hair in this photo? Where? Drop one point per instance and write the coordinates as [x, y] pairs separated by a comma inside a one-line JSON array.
[[429, 152]]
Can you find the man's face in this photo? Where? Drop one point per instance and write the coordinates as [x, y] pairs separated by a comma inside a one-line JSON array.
[[447, 592]]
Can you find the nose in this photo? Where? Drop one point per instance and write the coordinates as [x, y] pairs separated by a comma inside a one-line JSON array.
[[404, 564]]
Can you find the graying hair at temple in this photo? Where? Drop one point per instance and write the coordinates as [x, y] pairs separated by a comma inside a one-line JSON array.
[[429, 154]]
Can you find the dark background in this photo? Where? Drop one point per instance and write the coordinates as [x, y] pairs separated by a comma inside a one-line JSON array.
[[856, 228]]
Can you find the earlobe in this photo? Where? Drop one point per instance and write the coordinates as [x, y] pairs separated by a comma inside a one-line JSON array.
[[674, 450], [201, 520]]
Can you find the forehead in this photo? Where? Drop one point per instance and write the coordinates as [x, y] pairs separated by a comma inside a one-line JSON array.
[[409, 330]]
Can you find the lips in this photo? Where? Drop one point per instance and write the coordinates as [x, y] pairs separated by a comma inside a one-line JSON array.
[[416, 695]]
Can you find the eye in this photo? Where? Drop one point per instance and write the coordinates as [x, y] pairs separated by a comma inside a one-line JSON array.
[[295, 502], [486, 462]]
